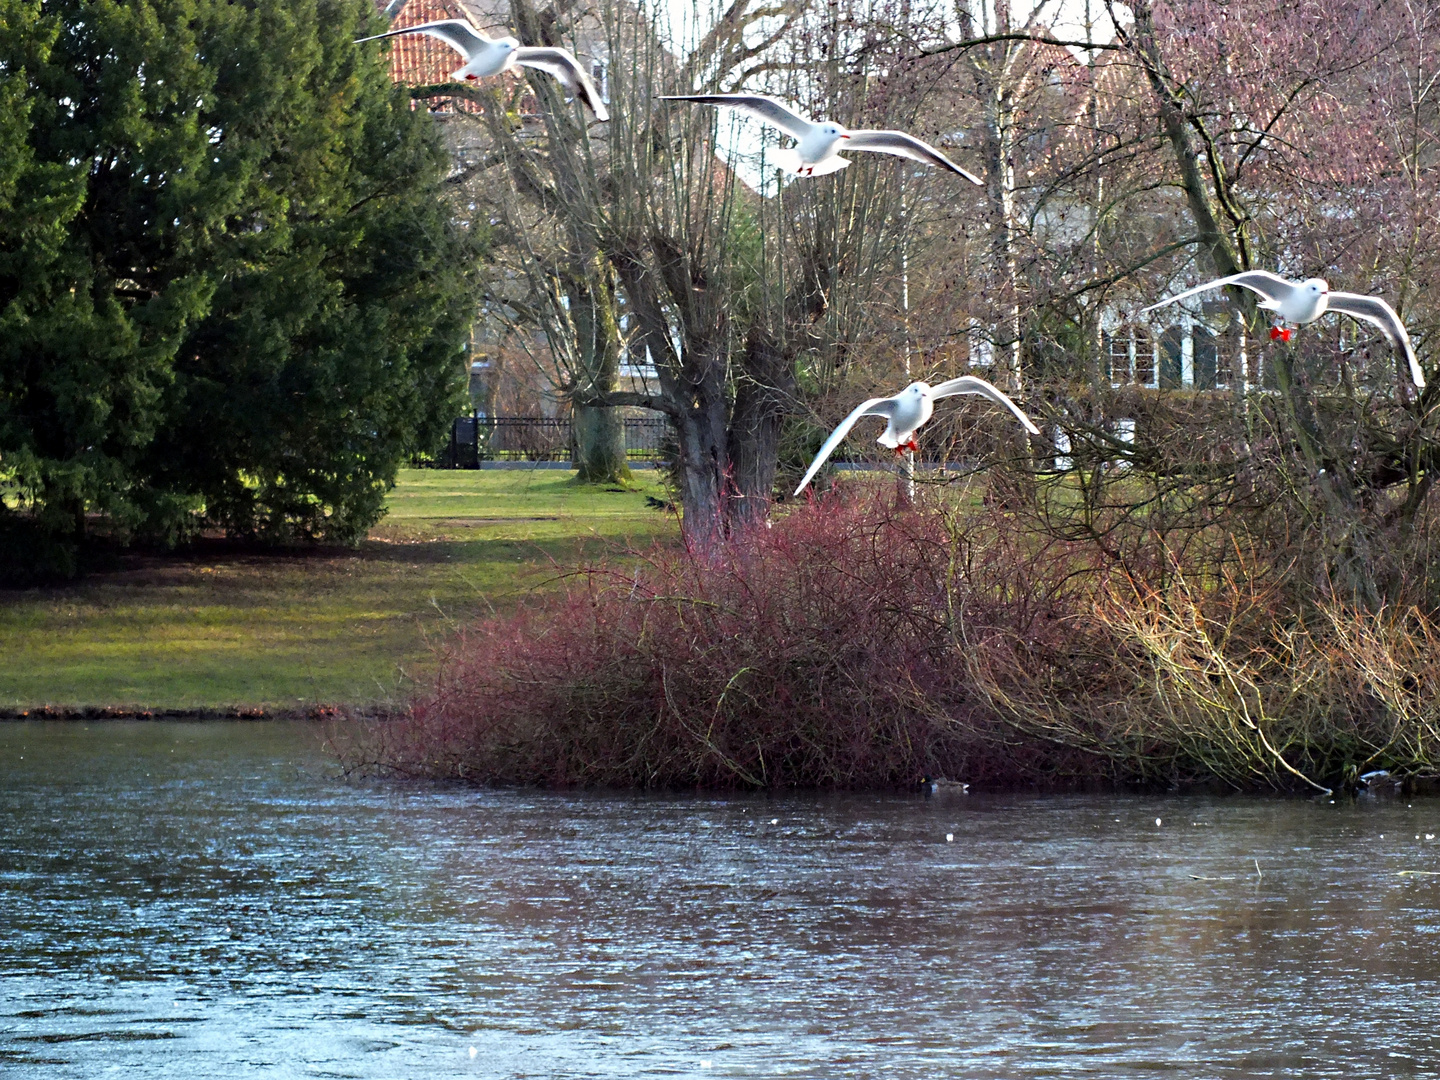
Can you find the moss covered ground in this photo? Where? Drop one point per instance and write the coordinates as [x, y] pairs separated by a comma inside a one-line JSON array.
[[221, 626]]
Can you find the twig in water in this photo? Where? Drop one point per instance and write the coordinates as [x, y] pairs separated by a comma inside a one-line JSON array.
[[1258, 874]]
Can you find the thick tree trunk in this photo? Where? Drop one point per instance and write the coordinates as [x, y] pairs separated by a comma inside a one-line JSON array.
[[599, 431], [692, 377], [703, 463], [600, 445], [762, 399]]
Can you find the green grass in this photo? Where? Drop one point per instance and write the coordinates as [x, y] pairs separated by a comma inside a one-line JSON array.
[[218, 626]]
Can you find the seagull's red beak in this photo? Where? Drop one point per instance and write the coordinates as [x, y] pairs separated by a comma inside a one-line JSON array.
[[844, 136]]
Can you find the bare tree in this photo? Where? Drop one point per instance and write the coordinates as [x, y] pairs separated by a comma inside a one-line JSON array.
[[738, 291]]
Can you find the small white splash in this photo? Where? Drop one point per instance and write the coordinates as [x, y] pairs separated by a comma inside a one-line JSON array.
[[1429, 836], [705, 1064], [1157, 822], [774, 821], [949, 838], [473, 1052]]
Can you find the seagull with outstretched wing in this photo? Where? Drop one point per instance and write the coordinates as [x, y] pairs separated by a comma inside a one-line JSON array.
[[907, 411], [1301, 302], [486, 56], [817, 145]]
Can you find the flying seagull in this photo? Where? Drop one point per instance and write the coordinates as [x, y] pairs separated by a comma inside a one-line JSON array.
[[1301, 302], [818, 145], [485, 57], [907, 411]]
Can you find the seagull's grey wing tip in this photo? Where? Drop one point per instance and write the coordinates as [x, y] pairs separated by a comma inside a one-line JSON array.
[[903, 144], [1377, 310]]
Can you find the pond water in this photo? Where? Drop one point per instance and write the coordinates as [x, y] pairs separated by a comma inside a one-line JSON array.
[[183, 900]]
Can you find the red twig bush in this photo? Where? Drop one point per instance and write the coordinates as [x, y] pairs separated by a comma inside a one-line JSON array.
[[822, 652], [859, 643]]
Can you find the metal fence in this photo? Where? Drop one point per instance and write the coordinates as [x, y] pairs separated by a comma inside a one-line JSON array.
[[474, 439]]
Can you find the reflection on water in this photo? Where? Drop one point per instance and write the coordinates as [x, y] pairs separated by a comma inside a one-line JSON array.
[[183, 899]]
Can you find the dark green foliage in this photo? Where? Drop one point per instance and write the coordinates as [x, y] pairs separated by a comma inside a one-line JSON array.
[[80, 370], [231, 291]]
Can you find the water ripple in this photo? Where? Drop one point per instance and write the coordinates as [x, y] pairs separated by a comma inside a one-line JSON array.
[[179, 898]]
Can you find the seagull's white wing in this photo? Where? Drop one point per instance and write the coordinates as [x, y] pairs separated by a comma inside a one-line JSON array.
[[1374, 310], [457, 33], [904, 145], [766, 108], [1272, 287], [879, 406], [563, 65], [969, 384]]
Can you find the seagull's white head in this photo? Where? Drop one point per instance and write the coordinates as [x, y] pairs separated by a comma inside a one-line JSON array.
[[917, 389], [1315, 286], [508, 44], [833, 130]]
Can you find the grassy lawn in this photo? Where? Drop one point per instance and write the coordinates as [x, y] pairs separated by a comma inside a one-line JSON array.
[[219, 626]]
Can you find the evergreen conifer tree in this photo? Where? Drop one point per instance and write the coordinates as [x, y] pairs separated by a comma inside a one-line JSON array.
[[231, 291]]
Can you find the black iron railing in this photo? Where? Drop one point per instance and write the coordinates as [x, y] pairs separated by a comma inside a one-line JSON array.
[[474, 439]]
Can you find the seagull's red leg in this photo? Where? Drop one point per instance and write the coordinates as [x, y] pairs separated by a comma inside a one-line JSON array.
[[1274, 333], [1285, 334], [472, 78]]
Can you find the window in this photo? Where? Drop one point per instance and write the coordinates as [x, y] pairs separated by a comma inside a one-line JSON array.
[[1117, 357], [1128, 355], [1144, 358]]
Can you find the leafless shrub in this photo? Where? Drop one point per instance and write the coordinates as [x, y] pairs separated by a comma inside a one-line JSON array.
[[861, 643]]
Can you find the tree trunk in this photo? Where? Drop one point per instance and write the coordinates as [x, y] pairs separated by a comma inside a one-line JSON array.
[[999, 153], [692, 375], [600, 445], [599, 430], [703, 464], [767, 387]]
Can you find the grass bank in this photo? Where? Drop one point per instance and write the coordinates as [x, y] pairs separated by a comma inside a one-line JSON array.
[[221, 626]]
